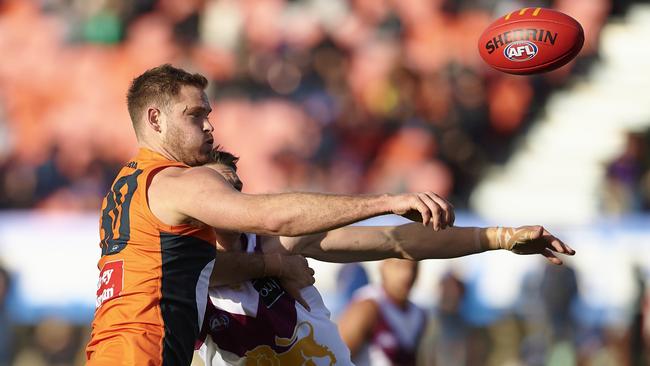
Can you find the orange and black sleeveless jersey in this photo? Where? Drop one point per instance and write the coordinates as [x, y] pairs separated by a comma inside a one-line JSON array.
[[153, 281]]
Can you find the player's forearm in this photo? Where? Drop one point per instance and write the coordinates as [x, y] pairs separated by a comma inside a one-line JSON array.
[[410, 241], [415, 242], [236, 267], [211, 200], [349, 244], [295, 214]]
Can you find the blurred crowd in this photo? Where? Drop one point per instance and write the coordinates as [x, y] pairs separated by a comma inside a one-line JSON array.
[[544, 327], [333, 95], [330, 95], [627, 183]]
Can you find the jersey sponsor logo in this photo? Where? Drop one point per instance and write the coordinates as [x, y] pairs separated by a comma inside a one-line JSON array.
[[520, 51], [269, 289], [111, 281], [303, 350]]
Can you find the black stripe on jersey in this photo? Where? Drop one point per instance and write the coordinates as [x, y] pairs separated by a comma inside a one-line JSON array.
[[183, 258]]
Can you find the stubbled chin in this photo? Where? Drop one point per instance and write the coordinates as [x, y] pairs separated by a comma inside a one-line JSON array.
[[206, 148], [197, 159], [203, 157]]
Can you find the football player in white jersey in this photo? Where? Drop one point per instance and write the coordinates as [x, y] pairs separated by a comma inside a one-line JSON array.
[[381, 326], [257, 322]]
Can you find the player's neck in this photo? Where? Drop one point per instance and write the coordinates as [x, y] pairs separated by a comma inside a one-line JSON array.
[[398, 301], [158, 148]]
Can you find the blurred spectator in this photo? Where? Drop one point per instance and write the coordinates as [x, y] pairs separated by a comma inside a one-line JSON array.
[[627, 182], [559, 291], [446, 342], [639, 337], [546, 308], [56, 343], [6, 326]]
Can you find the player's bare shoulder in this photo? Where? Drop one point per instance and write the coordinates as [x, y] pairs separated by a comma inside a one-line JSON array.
[[173, 189], [159, 191], [180, 179]]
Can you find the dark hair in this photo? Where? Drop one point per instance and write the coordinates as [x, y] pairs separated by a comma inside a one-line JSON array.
[[158, 85], [218, 156]]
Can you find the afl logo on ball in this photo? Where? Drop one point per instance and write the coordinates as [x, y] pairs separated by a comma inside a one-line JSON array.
[[520, 51]]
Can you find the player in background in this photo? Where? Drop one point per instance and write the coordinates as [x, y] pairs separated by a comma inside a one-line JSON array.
[[381, 326], [257, 322], [155, 264]]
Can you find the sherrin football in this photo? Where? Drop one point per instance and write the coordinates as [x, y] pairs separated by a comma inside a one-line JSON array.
[[531, 41]]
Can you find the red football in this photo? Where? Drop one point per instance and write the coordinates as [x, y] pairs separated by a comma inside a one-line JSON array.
[[531, 41]]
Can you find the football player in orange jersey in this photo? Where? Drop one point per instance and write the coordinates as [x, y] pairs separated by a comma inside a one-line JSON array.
[[155, 264]]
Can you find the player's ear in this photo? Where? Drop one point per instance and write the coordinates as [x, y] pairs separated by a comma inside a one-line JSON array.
[[153, 119]]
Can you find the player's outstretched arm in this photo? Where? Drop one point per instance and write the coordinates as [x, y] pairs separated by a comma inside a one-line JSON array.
[[411, 241], [176, 195]]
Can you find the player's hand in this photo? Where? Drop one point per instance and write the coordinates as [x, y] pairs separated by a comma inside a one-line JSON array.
[[425, 207], [532, 240], [296, 275]]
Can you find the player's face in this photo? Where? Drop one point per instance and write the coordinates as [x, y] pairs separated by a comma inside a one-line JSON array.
[[398, 277], [188, 134]]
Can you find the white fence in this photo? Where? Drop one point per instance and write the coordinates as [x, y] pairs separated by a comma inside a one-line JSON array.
[[53, 257]]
